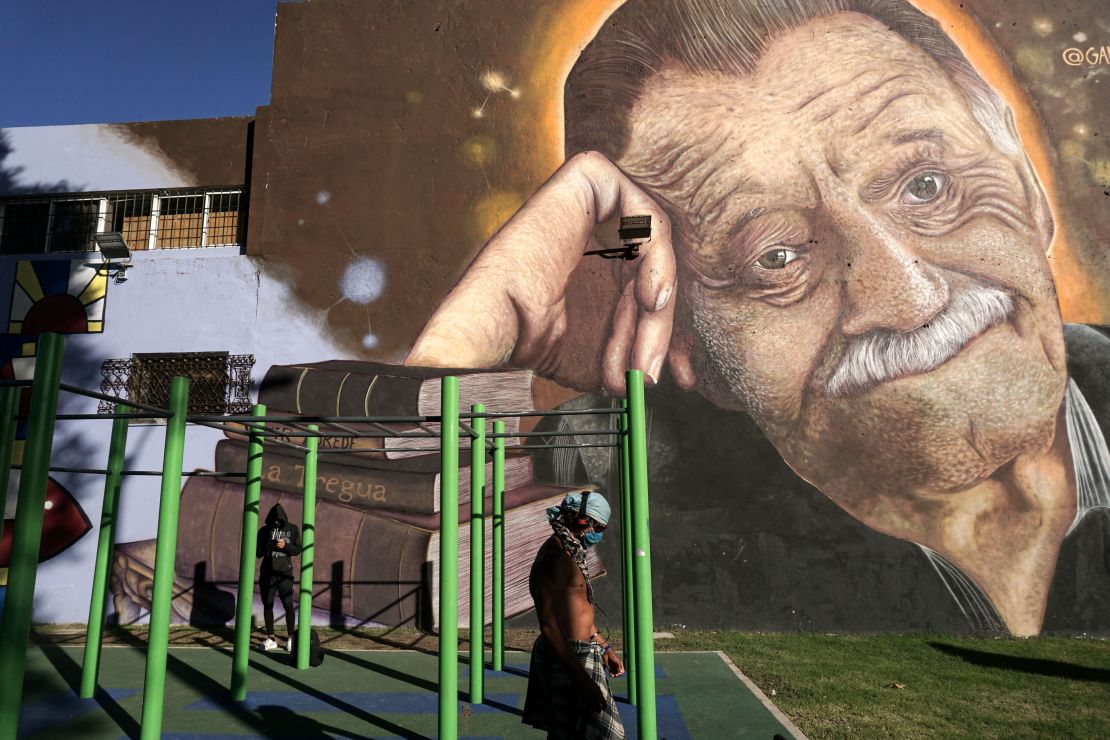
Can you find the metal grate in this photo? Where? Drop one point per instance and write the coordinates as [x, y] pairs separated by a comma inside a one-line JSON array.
[[219, 383], [152, 219]]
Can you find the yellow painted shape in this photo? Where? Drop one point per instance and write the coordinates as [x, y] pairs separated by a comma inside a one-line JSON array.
[[27, 279], [15, 327], [95, 327], [29, 349], [95, 290]]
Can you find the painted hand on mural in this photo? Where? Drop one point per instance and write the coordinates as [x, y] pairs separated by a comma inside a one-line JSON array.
[[854, 256], [511, 305]]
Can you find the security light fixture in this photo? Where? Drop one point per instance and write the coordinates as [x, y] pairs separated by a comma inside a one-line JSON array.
[[113, 246], [632, 230]]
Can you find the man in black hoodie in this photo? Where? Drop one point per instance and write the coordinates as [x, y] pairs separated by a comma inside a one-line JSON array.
[[278, 542]]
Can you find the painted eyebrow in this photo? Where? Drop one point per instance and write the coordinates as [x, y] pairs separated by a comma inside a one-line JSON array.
[[746, 219], [878, 111], [924, 134]]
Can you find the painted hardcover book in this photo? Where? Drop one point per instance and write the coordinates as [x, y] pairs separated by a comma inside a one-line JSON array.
[[410, 485], [374, 567], [358, 388]]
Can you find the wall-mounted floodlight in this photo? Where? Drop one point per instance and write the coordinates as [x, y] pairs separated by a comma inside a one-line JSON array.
[[113, 246], [634, 231]]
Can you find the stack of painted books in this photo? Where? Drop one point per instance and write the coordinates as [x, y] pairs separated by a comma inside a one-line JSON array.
[[378, 498]]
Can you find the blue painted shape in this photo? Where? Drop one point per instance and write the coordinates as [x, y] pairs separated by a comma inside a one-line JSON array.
[[668, 720], [386, 703], [55, 710], [53, 276]]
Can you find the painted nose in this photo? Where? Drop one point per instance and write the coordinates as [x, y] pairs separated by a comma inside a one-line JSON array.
[[887, 285]]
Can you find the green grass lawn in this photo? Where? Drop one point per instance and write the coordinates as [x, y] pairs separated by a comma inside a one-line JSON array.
[[845, 686]]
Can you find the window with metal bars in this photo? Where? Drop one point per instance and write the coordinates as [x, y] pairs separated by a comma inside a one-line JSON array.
[[153, 219], [219, 383]]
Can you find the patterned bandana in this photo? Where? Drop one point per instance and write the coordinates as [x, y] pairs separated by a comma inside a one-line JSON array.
[[573, 547]]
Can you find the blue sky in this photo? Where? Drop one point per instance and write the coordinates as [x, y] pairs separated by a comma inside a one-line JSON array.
[[75, 61]]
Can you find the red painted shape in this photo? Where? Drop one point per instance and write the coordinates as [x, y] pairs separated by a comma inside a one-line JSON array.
[[63, 523], [60, 313]]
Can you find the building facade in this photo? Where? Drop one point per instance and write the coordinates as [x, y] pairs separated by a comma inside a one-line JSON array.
[[402, 137]]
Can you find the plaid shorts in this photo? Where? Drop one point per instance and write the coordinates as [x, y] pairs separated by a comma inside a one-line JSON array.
[[553, 703]]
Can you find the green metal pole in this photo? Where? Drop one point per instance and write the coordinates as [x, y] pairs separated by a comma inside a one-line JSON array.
[[244, 598], [477, 554], [641, 551], [498, 585], [628, 580], [112, 482], [154, 686], [27, 530], [9, 408], [308, 548], [449, 561]]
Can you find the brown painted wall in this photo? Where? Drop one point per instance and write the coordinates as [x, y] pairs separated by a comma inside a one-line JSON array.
[[211, 151]]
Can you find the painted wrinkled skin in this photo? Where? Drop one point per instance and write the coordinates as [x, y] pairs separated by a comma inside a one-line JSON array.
[[811, 205]]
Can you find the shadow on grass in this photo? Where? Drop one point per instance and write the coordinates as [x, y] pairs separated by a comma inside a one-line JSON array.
[[1039, 666]]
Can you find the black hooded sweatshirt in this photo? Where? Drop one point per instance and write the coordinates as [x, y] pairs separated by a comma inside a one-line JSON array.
[[277, 561]]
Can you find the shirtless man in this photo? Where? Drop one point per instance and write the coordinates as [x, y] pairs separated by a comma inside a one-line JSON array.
[[568, 691]]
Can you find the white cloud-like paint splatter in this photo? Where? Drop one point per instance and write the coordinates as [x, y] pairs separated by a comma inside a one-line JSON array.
[[363, 281]]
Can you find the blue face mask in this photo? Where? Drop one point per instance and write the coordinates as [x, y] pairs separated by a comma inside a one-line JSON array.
[[591, 538]]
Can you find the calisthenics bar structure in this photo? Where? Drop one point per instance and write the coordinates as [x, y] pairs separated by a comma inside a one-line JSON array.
[[631, 446], [635, 549]]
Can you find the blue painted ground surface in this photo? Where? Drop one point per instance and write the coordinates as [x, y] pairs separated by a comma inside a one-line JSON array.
[[382, 694]]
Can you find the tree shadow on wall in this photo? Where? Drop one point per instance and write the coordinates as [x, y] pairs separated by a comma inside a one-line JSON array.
[[9, 176]]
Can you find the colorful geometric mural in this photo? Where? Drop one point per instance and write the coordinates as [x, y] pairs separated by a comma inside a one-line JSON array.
[[58, 296]]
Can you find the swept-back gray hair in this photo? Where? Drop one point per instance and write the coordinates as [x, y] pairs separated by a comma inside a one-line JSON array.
[[644, 36]]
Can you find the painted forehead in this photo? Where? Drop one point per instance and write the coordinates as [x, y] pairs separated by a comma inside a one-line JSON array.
[[837, 86]]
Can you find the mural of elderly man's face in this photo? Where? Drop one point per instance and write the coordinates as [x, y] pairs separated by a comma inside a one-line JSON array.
[[863, 269]]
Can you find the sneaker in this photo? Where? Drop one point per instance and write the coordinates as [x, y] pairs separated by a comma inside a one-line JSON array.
[[289, 645], [269, 644]]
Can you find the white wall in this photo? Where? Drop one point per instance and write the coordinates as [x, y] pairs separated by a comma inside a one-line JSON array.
[[188, 300]]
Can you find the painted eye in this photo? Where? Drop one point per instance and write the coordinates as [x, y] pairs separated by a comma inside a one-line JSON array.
[[924, 188], [777, 258]]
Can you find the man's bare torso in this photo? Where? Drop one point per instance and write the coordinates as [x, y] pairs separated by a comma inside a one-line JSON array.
[[556, 582]]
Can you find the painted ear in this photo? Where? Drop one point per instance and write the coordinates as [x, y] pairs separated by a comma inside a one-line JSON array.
[[678, 359], [1035, 196]]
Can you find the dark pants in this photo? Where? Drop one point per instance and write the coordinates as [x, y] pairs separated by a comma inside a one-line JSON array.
[[282, 585]]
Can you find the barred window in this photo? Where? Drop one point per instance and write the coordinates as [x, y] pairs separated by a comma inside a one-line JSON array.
[[219, 383], [162, 219]]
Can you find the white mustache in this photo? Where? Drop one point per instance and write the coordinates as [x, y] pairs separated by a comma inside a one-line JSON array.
[[885, 355]]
